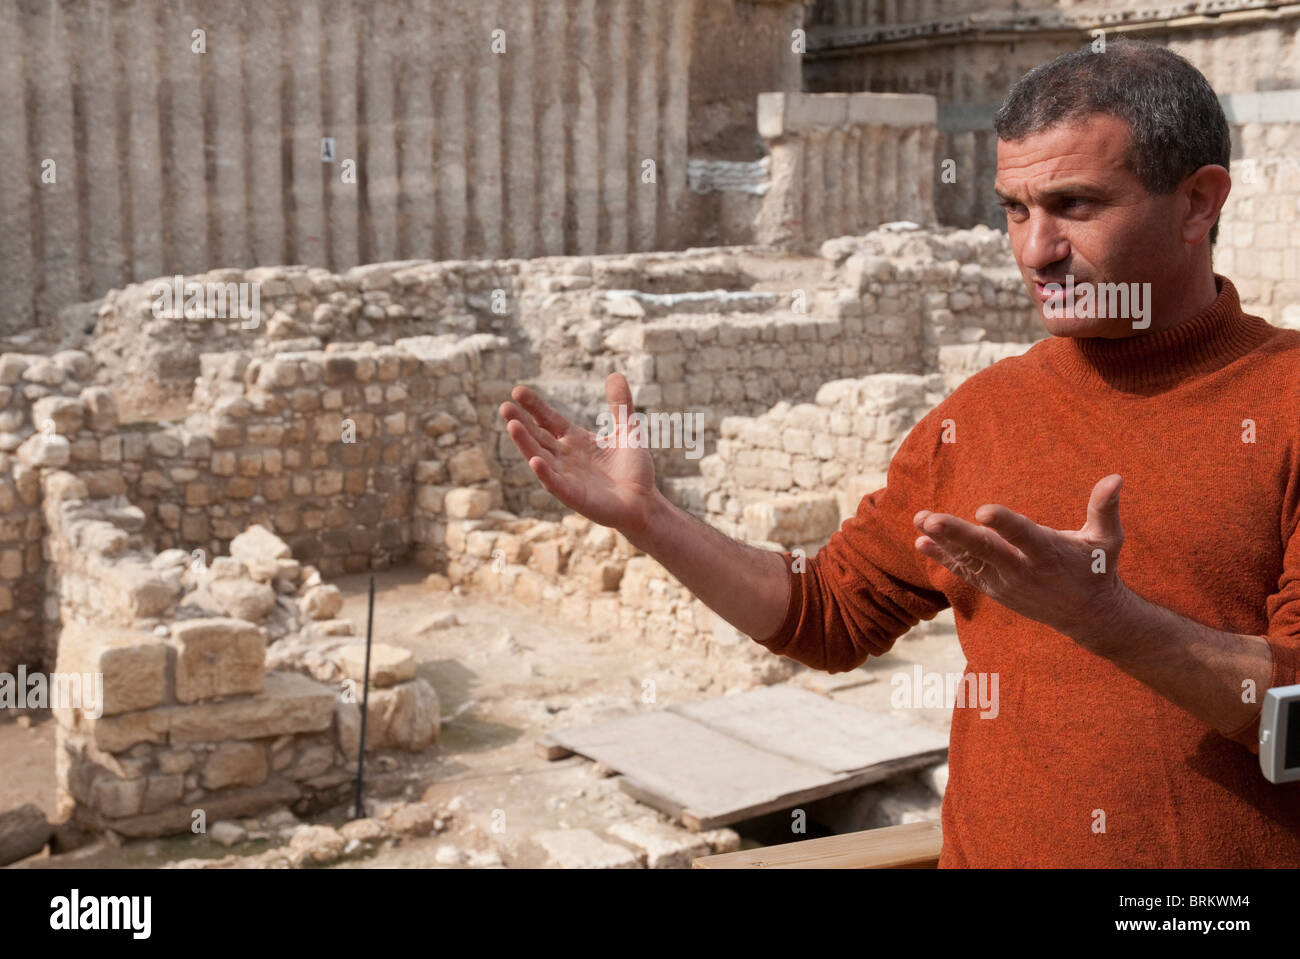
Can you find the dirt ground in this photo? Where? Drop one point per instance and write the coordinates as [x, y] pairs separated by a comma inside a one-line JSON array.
[[504, 676]]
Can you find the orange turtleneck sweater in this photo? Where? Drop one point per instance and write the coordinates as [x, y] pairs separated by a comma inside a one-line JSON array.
[[1211, 533]]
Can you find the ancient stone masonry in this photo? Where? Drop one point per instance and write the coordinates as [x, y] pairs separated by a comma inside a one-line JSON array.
[[184, 554], [198, 714]]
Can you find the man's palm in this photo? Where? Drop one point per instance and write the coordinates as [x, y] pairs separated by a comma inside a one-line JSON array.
[[609, 482]]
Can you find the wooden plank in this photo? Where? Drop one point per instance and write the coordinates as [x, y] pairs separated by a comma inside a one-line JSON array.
[[812, 729], [697, 821], [548, 749], [713, 776], [914, 845]]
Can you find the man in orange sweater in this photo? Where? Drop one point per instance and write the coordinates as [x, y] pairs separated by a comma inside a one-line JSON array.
[[1130, 686]]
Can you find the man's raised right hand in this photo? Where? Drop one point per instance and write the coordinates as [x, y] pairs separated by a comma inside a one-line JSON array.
[[608, 482]]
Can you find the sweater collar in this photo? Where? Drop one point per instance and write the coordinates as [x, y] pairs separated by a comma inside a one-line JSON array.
[[1149, 362]]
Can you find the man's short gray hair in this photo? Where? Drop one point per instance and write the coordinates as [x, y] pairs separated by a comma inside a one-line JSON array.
[[1175, 117]]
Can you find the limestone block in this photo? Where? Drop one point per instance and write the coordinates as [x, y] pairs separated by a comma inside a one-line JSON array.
[[583, 849], [217, 657], [288, 703], [48, 450], [468, 466], [132, 663], [313, 762], [115, 797], [316, 844], [227, 804], [404, 716], [101, 408], [389, 665], [161, 791], [793, 519], [64, 412], [145, 592], [662, 845], [243, 599], [321, 602], [257, 542], [235, 764], [467, 503]]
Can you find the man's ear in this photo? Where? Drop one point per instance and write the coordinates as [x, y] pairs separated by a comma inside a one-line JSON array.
[[1204, 192]]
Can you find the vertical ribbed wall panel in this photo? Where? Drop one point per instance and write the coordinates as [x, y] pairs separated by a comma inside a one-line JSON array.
[[965, 153], [185, 195], [226, 50], [18, 271], [584, 138], [552, 152], [851, 202], [104, 224], [171, 160], [929, 137], [485, 118], [265, 176], [869, 172], [833, 160], [619, 169], [340, 22], [304, 52], [910, 172], [643, 62], [60, 212], [452, 180], [814, 204], [674, 123], [887, 173], [144, 161], [519, 155], [380, 175]]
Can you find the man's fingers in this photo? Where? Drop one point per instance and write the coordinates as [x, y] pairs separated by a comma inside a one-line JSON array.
[[957, 565], [962, 539], [619, 395], [1103, 509], [561, 487], [540, 437], [1020, 531], [527, 443], [546, 417]]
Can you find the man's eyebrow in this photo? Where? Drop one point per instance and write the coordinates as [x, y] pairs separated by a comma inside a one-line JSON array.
[[1063, 189]]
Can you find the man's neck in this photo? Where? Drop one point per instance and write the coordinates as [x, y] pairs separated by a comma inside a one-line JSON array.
[[1183, 299]]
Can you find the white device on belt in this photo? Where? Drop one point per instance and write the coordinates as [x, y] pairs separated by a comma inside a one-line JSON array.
[[1279, 734]]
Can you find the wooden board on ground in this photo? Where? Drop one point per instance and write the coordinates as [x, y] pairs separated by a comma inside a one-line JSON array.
[[718, 762], [802, 725], [913, 845]]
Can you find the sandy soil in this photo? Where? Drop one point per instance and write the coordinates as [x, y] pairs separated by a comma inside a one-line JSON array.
[[504, 676]]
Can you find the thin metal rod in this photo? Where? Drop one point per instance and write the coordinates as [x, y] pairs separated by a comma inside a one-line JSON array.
[[365, 699]]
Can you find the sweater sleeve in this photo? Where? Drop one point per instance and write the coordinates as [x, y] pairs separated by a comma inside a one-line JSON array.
[[1283, 636], [867, 586]]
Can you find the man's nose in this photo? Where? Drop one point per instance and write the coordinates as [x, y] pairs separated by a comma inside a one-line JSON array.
[[1044, 243]]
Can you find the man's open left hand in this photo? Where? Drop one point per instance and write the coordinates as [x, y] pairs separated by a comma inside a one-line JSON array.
[[1055, 577]]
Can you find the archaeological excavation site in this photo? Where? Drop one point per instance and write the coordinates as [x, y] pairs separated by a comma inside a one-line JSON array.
[[262, 318]]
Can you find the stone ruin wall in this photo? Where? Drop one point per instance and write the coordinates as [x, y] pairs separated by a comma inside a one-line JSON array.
[[185, 559]]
